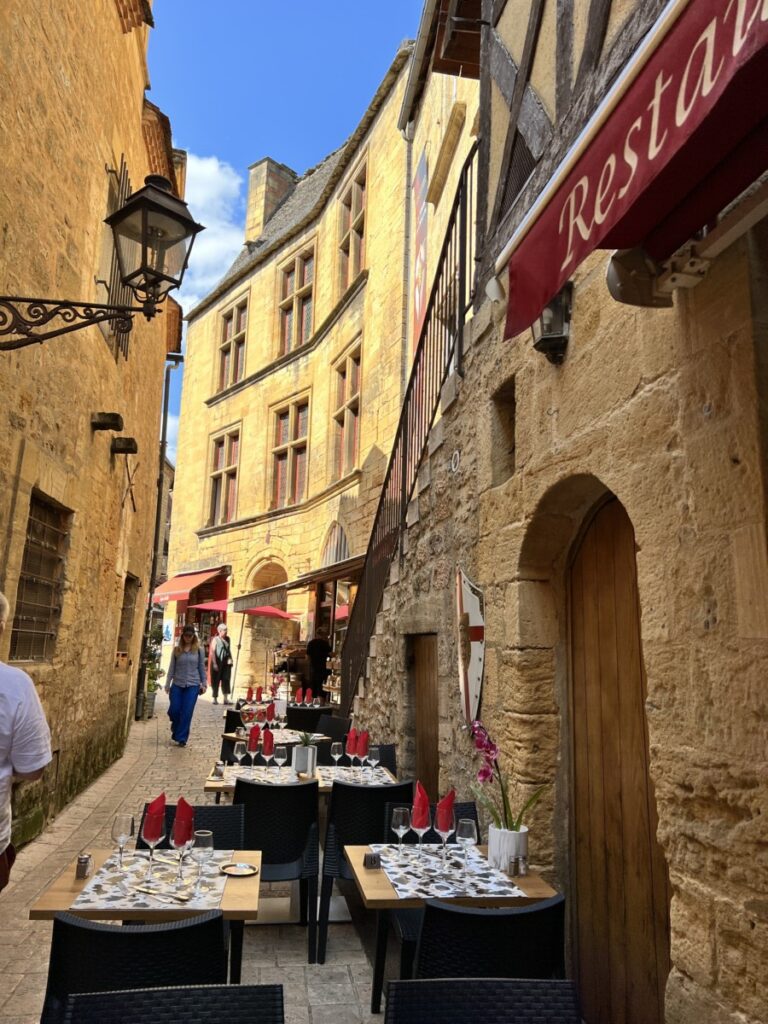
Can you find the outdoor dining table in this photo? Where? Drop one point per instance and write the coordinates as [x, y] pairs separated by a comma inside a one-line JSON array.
[[286, 737], [239, 897], [325, 775]]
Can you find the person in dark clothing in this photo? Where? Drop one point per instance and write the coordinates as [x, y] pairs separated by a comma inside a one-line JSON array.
[[220, 658], [318, 651]]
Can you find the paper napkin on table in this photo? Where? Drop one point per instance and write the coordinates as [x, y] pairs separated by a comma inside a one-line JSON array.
[[299, 695], [420, 812], [184, 823], [249, 694], [253, 739], [444, 812], [362, 743], [267, 743], [351, 748], [154, 820], [308, 696], [259, 692], [270, 712]]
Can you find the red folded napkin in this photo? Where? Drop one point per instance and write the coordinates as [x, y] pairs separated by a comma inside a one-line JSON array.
[[184, 822], [267, 743], [270, 712], [154, 820], [299, 695], [249, 694], [261, 715], [351, 748], [444, 812], [362, 744], [259, 691], [308, 696], [253, 739], [420, 811]]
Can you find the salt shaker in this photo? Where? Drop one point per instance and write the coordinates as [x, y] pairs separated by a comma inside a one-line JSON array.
[[218, 771], [84, 865]]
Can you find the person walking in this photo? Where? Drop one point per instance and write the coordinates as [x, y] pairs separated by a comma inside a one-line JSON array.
[[220, 661], [185, 682], [318, 652], [25, 743]]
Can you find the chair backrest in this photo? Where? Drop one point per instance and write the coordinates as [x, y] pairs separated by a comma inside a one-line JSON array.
[[333, 726], [232, 720], [457, 1000], [516, 942], [214, 1004], [356, 817], [465, 809], [303, 719], [90, 957], [388, 756], [279, 820], [226, 821]]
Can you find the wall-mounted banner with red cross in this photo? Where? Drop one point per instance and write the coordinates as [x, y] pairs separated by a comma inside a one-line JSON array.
[[470, 608]]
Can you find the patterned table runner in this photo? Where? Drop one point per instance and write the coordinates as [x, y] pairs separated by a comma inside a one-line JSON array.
[[259, 773], [113, 890], [370, 776], [429, 878]]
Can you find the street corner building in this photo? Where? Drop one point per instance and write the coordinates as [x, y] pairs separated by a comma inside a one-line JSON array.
[[81, 411], [591, 453], [296, 369]]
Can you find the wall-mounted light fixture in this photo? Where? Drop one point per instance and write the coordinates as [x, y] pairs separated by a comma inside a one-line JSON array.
[[153, 234], [553, 328], [494, 290]]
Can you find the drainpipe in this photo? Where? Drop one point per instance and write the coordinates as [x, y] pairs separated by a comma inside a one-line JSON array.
[[405, 361], [173, 359]]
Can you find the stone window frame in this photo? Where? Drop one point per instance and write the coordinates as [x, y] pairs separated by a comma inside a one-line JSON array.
[[40, 590], [110, 288], [346, 410], [293, 296], [233, 331], [131, 588], [223, 475], [353, 206], [289, 452]]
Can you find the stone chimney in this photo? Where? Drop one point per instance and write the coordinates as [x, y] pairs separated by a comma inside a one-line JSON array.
[[268, 184]]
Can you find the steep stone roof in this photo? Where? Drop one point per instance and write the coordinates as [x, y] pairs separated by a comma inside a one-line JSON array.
[[308, 196]]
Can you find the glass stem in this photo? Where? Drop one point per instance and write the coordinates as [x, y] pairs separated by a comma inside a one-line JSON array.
[[181, 862], [149, 868], [120, 849]]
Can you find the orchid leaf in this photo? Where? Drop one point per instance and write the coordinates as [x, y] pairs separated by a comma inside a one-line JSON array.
[[529, 803], [487, 803]]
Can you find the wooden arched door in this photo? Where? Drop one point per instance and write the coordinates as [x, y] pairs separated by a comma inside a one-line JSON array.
[[620, 898]]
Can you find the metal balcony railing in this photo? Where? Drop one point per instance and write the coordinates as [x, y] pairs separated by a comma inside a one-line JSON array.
[[439, 349]]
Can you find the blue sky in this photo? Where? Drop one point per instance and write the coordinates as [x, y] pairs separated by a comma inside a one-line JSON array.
[[243, 79]]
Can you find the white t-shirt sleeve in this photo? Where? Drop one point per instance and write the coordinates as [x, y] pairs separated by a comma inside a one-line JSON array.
[[31, 742]]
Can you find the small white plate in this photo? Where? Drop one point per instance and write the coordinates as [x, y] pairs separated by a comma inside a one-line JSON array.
[[239, 870]]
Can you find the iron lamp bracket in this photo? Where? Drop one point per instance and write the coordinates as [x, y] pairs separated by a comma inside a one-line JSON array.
[[23, 318]]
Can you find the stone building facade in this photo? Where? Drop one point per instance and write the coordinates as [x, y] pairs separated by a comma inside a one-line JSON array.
[[294, 373], [613, 511], [76, 519]]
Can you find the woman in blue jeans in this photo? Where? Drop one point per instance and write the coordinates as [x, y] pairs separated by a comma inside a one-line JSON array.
[[185, 681]]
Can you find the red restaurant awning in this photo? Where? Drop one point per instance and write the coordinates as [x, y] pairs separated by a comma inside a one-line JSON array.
[[211, 606], [682, 133], [178, 588]]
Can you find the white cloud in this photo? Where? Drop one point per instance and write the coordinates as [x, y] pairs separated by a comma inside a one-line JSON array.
[[214, 192], [172, 434]]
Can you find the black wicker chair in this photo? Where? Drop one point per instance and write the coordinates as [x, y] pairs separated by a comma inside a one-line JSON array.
[[212, 1004], [232, 720], [513, 942], [87, 957], [388, 756], [355, 818], [333, 726], [491, 1000], [303, 719], [226, 821], [406, 924], [281, 821]]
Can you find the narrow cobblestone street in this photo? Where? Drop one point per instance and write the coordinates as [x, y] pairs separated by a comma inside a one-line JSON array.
[[337, 991]]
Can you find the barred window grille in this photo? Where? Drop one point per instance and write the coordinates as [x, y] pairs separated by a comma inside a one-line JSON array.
[[521, 167], [39, 594], [113, 291]]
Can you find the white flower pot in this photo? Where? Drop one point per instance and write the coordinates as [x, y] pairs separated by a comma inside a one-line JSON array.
[[504, 845], [305, 759]]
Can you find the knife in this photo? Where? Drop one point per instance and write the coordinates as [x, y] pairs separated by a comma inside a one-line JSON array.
[[162, 897]]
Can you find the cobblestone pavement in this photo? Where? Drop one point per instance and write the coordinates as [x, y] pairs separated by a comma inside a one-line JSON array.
[[337, 991]]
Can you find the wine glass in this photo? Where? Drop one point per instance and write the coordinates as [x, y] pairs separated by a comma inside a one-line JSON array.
[[281, 756], [181, 843], [337, 752], [374, 756], [421, 831], [122, 830], [239, 751], [152, 832], [202, 851], [445, 826], [466, 836], [400, 824], [247, 715]]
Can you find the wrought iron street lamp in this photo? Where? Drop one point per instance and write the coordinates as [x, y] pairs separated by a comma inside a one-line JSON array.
[[552, 329], [153, 234]]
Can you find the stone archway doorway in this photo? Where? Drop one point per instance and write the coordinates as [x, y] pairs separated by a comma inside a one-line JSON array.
[[620, 904]]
